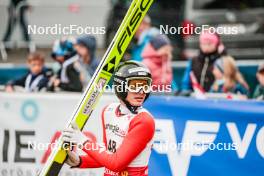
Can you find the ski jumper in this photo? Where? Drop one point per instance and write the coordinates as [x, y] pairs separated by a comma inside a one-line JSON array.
[[128, 139]]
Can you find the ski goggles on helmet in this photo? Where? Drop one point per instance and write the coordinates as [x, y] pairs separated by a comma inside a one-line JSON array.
[[137, 84]]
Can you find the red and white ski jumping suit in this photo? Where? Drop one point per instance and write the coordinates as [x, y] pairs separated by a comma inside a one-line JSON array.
[[128, 139]]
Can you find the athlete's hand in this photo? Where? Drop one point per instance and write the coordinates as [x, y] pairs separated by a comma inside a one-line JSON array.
[[74, 135], [73, 159]]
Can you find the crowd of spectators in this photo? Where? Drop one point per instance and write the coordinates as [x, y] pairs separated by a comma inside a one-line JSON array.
[[77, 63], [213, 70]]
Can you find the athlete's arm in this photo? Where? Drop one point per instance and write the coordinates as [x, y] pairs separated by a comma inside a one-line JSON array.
[[87, 161], [84, 161], [141, 131]]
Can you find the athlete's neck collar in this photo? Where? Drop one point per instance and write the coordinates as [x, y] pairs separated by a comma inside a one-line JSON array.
[[123, 109]]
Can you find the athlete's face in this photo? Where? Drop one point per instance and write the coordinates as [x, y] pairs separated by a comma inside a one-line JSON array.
[[136, 98]]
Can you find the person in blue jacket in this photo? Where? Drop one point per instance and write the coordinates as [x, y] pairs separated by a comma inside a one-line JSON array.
[[87, 62], [144, 34], [37, 77]]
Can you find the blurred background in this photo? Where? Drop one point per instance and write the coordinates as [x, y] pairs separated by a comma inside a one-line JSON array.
[[103, 19], [216, 77]]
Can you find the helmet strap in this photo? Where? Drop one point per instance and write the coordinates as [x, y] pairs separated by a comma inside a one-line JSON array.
[[131, 108]]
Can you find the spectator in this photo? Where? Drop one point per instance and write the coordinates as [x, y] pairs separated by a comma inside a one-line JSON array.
[[37, 77], [228, 79], [87, 62], [211, 49], [157, 56], [143, 35], [68, 77], [259, 91], [17, 13]]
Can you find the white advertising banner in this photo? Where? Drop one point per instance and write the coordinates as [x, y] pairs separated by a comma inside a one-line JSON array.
[[190, 134], [37, 119]]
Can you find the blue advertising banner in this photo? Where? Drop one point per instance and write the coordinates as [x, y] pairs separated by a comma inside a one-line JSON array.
[[207, 137]]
